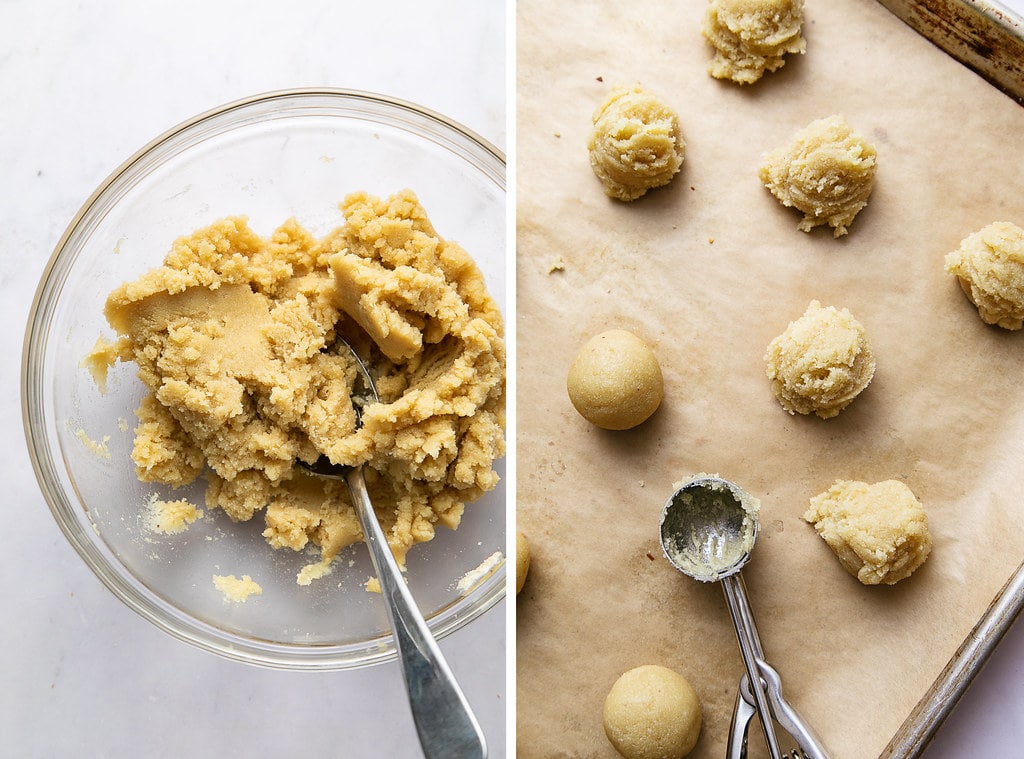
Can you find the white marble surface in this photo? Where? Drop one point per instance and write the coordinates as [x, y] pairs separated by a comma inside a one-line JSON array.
[[82, 86]]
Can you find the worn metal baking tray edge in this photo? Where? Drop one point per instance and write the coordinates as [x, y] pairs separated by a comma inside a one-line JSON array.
[[917, 730], [985, 36], [989, 39]]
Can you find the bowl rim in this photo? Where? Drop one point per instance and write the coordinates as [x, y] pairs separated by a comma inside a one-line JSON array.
[[97, 555]]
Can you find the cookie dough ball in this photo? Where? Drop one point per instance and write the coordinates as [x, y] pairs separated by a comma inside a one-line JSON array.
[[522, 560], [751, 37], [615, 381], [821, 362], [879, 532], [652, 712], [990, 267], [826, 172], [636, 144]]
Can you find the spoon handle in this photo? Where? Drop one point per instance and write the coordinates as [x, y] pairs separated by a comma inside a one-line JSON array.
[[444, 721]]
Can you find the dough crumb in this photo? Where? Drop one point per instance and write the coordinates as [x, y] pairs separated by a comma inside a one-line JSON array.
[[878, 532], [314, 571], [751, 37], [469, 580], [99, 448], [615, 381], [652, 712], [821, 362], [170, 517], [522, 560], [237, 590], [989, 265], [99, 360], [827, 172], [557, 264], [636, 144]]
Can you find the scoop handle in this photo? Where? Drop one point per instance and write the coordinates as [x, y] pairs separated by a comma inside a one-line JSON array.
[[445, 723], [788, 717], [750, 648]]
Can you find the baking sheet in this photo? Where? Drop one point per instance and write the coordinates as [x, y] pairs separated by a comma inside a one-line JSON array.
[[709, 270], [986, 36]]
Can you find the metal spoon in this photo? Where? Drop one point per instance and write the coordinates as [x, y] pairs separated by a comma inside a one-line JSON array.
[[445, 723], [708, 528]]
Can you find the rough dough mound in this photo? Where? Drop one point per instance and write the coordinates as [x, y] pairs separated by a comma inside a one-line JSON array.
[[751, 37], [615, 381], [522, 560], [235, 338], [652, 712], [636, 144], [826, 172], [879, 532], [990, 267], [821, 362]]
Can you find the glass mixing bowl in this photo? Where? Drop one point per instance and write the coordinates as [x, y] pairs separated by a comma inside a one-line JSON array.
[[271, 157]]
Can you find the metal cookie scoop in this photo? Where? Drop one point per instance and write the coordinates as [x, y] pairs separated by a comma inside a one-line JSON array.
[[708, 529], [445, 723]]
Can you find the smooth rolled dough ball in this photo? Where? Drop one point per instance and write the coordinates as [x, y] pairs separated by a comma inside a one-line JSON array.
[[615, 381], [652, 712], [751, 37], [878, 532], [827, 172], [990, 267], [636, 144], [522, 560], [821, 362]]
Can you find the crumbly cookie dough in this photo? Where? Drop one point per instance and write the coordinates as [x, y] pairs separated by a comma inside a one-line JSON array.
[[989, 265], [879, 532], [821, 362], [652, 712], [615, 381], [235, 589], [236, 340], [751, 37], [483, 570], [99, 448], [522, 560], [636, 143], [827, 172], [170, 517]]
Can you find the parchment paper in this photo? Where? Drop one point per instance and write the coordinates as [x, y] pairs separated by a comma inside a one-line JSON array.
[[709, 270]]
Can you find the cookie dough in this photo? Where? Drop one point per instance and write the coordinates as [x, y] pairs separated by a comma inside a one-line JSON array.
[[237, 589], [636, 144], [522, 560], [821, 362], [235, 338], [827, 172], [751, 37], [989, 265], [652, 712], [615, 381], [879, 532], [170, 517]]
